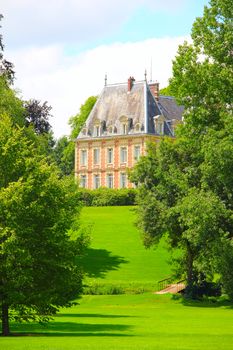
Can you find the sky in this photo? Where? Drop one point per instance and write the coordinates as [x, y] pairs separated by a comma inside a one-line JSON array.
[[62, 49]]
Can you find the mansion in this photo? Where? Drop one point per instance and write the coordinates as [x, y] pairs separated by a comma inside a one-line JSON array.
[[124, 118]]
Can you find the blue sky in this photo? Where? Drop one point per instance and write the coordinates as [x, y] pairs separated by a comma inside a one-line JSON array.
[[63, 48], [146, 23]]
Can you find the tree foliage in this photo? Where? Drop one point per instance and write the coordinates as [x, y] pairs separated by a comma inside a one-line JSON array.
[[6, 67], [38, 232], [37, 115], [166, 91], [64, 150], [76, 122], [186, 185]]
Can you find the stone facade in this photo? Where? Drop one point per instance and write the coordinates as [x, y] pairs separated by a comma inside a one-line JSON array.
[[124, 118]]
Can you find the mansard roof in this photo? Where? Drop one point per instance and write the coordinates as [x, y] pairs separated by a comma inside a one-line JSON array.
[[131, 103]]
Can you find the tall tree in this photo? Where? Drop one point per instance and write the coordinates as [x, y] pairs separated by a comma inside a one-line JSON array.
[[39, 239], [65, 148], [186, 185]]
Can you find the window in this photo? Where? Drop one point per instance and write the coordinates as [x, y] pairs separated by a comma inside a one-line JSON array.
[[83, 181], [123, 180], [124, 129], [97, 130], [137, 127], [110, 129], [160, 128], [96, 156], [84, 131], [123, 154], [110, 155], [170, 127], [96, 181], [83, 157], [137, 153], [109, 181]]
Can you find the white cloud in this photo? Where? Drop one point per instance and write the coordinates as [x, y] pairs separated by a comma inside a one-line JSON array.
[[70, 21], [67, 81]]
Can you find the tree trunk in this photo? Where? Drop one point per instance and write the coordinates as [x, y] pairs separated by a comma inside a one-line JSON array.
[[190, 273], [190, 270], [5, 320]]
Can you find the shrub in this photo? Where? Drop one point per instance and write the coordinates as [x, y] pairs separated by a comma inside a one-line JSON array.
[[108, 197]]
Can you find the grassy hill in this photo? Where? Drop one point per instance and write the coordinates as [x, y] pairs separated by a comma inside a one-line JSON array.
[[117, 259]]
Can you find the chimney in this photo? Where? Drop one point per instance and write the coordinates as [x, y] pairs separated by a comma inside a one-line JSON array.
[[130, 83], [154, 88]]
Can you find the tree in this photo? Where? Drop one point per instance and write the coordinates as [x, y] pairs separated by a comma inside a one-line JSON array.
[[186, 185], [6, 67], [37, 115], [79, 119], [39, 239], [10, 103], [166, 91], [65, 148]]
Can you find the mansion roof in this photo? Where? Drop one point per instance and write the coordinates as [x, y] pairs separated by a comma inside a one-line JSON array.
[[134, 105]]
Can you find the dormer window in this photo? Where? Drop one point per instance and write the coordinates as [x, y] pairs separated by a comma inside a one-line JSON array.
[[137, 127], [97, 130], [160, 128], [84, 131], [110, 130], [159, 124], [124, 129], [170, 127], [97, 127], [124, 124]]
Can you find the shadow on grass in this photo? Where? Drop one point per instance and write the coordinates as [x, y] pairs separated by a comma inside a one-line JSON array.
[[69, 335], [71, 329], [205, 303], [91, 315], [97, 262]]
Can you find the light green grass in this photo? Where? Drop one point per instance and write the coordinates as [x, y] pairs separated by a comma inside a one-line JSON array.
[[127, 322], [131, 322], [117, 257]]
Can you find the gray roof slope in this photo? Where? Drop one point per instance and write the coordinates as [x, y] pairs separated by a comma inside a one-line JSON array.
[[169, 108], [115, 101]]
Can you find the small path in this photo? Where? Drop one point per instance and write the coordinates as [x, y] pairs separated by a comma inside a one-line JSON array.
[[173, 288]]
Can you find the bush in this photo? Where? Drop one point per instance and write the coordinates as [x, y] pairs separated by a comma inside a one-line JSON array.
[[108, 197]]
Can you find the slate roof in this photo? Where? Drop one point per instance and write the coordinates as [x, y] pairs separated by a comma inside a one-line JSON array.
[[138, 105]]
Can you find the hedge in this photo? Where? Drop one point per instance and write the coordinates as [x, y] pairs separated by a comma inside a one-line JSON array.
[[108, 197]]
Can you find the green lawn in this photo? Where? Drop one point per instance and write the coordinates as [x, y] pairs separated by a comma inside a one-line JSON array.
[[117, 256], [131, 322], [128, 321]]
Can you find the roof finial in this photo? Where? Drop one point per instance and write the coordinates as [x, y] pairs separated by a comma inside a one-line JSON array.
[[145, 74], [105, 80]]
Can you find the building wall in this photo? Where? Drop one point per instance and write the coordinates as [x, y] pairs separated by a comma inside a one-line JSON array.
[[103, 167]]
